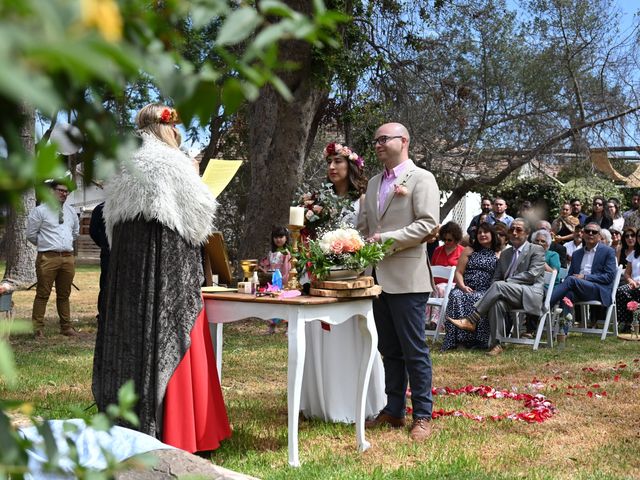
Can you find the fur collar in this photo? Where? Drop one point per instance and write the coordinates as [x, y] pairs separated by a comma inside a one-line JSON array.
[[160, 183]]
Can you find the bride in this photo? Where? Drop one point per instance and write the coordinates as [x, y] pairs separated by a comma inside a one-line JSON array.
[[334, 351]]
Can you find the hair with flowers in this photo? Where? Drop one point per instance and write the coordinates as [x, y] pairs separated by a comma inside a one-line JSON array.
[[334, 149]]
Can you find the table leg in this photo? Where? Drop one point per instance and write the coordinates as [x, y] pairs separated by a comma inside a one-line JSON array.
[[295, 368], [216, 340], [370, 336]]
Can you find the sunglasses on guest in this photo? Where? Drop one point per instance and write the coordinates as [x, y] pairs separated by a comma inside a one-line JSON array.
[[588, 231]]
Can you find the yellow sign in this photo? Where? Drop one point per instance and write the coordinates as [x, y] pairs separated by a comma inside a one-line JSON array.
[[219, 173]]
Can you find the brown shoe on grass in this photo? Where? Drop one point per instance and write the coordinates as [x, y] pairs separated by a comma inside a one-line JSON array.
[[495, 351], [68, 332], [420, 429], [38, 333], [384, 419]]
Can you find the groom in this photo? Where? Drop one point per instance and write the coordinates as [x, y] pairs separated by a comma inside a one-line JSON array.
[[402, 203]]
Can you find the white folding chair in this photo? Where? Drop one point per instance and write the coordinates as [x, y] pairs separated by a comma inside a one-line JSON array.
[[611, 312], [449, 274], [543, 321]]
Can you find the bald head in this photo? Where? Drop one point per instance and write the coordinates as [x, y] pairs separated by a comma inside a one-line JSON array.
[[392, 144]]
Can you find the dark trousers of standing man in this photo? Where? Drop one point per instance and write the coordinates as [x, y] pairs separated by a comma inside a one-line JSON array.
[[400, 321], [53, 268]]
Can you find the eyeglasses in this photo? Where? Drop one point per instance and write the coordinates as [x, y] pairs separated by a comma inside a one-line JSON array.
[[616, 233], [516, 229], [502, 235], [597, 204], [383, 139], [62, 190], [630, 235], [591, 232]]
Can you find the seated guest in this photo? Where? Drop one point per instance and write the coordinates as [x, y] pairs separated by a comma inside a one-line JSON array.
[[598, 214], [576, 210], [555, 246], [564, 226], [552, 262], [574, 244], [591, 274], [518, 283], [631, 290], [502, 231], [616, 239], [613, 211], [485, 206], [446, 255], [605, 237], [473, 278], [628, 245]]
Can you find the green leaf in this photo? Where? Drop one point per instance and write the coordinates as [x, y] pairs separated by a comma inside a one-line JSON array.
[[274, 7], [232, 95], [238, 26]]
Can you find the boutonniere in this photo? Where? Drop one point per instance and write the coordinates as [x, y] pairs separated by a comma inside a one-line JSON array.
[[401, 189]]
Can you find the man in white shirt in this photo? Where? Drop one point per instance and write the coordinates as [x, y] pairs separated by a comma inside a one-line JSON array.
[[574, 244], [53, 230], [592, 271]]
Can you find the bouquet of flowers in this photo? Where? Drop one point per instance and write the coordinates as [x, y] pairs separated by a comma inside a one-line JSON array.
[[324, 210], [340, 249], [633, 306]]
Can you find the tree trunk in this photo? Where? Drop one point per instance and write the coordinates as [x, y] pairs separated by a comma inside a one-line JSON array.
[[279, 135], [21, 255]]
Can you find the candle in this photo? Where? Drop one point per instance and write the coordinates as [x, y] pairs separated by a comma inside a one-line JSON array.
[[296, 216]]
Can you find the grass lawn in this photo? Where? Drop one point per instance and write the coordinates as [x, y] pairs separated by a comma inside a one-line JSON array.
[[591, 436]]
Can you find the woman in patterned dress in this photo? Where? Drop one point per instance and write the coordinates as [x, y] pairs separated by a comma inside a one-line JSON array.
[[473, 278]]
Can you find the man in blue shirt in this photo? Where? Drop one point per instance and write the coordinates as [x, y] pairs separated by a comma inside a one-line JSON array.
[[53, 230], [499, 213]]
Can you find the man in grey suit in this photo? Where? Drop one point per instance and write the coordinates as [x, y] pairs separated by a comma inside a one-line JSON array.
[[402, 204], [518, 282]]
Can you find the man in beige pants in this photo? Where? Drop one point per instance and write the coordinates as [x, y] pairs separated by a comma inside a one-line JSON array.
[[53, 230]]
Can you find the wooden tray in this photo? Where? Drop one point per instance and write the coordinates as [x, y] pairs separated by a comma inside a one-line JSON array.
[[360, 282], [354, 292]]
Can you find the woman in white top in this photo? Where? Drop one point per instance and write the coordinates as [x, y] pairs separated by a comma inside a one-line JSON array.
[[333, 354], [613, 209], [630, 291]]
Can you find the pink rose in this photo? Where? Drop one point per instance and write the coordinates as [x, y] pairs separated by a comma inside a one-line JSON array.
[[317, 208], [633, 306], [400, 190], [337, 247], [567, 301]]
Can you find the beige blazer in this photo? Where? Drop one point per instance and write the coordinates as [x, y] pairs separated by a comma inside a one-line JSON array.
[[407, 219]]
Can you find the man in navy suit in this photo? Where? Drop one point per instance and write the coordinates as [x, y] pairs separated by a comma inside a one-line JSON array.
[[592, 271]]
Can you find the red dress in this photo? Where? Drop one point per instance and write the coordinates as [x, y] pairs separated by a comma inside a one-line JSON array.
[[440, 257], [195, 418]]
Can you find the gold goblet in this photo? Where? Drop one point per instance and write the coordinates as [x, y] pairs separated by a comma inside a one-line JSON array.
[[293, 283], [248, 267]]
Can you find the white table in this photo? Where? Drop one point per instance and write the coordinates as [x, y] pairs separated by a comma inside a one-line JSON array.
[[224, 308]]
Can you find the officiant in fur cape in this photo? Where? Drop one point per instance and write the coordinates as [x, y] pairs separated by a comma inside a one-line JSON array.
[[158, 213]]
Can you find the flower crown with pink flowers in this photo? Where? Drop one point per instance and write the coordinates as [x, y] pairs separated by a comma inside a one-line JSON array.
[[336, 149], [168, 115]]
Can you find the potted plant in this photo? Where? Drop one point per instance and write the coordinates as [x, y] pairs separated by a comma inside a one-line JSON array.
[[340, 254]]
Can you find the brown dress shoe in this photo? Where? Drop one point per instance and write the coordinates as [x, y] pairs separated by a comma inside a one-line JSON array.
[[463, 324], [38, 333], [420, 430], [384, 419], [495, 351]]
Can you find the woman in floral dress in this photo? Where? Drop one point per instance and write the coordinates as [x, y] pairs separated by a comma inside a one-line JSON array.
[[473, 278]]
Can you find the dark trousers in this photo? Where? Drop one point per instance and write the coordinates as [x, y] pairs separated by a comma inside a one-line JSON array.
[[400, 321], [575, 289]]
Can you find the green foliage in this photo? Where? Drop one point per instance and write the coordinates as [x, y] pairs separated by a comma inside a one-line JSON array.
[[324, 209], [541, 192], [586, 188], [81, 56]]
